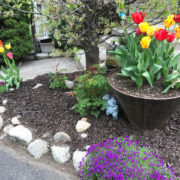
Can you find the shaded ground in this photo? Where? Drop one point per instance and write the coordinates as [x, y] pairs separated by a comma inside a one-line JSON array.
[[46, 110]]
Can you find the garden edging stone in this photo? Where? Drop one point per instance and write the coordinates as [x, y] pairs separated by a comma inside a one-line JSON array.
[[1, 122], [21, 134]]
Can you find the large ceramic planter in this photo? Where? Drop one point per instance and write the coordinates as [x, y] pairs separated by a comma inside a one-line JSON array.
[[148, 113]]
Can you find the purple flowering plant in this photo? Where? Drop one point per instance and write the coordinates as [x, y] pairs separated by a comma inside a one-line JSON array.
[[2, 87], [123, 158]]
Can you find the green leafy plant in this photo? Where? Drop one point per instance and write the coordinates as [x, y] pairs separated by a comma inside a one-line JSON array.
[[57, 80], [11, 75], [149, 54], [89, 91], [123, 158]]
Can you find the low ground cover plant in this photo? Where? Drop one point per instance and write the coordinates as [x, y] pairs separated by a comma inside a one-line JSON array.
[[149, 54], [123, 158], [57, 80], [89, 91], [11, 76]]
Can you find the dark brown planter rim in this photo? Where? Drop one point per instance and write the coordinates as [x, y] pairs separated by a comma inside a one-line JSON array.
[[139, 97]]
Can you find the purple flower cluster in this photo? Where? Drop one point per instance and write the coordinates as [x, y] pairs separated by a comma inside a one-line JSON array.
[[122, 158], [2, 83]]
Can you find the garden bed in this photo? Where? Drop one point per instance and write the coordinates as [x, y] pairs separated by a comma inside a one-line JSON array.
[[46, 110]]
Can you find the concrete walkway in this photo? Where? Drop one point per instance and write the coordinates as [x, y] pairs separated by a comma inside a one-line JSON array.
[[15, 167], [31, 69]]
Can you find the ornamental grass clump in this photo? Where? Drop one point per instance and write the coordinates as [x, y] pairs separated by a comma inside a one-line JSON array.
[[123, 159], [149, 54]]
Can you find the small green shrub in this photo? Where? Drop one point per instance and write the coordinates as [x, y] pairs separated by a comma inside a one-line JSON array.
[[57, 80], [89, 91], [122, 158]]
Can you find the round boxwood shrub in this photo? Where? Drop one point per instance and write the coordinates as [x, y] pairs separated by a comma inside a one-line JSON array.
[[122, 158]]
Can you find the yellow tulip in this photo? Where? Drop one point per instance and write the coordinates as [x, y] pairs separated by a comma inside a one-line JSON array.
[[1, 50], [168, 22], [178, 32], [171, 16], [143, 27], [150, 31], [145, 41], [8, 46]]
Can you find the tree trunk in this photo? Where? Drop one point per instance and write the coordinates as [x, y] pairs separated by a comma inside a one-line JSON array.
[[92, 55]]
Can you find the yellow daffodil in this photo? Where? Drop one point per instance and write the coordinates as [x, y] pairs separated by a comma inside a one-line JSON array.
[[8, 46], [178, 32], [1, 50], [150, 30], [145, 41], [168, 22], [143, 27]]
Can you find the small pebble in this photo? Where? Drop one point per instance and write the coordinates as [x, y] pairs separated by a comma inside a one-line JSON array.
[[5, 101], [84, 135]]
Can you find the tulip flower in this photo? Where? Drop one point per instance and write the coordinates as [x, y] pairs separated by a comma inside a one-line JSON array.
[[138, 17], [145, 42], [1, 44], [171, 16], [161, 35], [138, 32], [150, 31], [10, 55], [171, 37], [168, 22], [178, 32], [157, 29], [143, 27], [177, 18], [1, 50], [8, 46]]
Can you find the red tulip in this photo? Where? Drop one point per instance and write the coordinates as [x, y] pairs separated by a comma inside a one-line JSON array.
[[138, 32], [161, 34], [171, 37], [177, 18], [138, 17]]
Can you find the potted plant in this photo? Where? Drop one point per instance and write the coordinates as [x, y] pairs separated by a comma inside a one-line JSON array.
[[146, 85], [111, 63]]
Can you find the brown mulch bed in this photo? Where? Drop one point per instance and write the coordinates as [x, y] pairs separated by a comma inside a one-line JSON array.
[[45, 110]]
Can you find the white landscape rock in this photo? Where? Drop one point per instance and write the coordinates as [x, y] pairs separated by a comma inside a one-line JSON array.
[[2, 109], [15, 121], [69, 84], [82, 126], [84, 135], [4, 102], [37, 85], [60, 153], [11, 89], [7, 128], [38, 148], [1, 122], [62, 137], [21, 134], [77, 158]]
